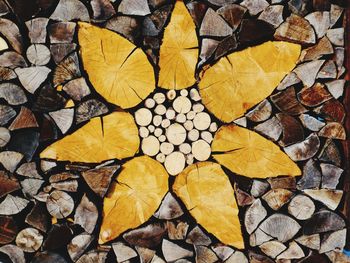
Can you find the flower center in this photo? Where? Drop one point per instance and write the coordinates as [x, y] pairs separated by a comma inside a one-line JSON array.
[[175, 129]]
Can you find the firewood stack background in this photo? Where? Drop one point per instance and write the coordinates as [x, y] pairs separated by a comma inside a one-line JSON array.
[[51, 211]]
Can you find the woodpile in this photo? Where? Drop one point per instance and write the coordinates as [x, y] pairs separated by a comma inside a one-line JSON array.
[[62, 199]]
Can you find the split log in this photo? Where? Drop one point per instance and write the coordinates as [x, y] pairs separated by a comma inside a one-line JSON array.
[[62, 177], [205, 255], [330, 175], [221, 2], [301, 207], [24, 141], [259, 188], [29, 240], [7, 74], [37, 29], [99, 179], [173, 252], [323, 221], [330, 153], [77, 88], [314, 96], [254, 215], [145, 254], [333, 130], [169, 208], [336, 36], [237, 256], [197, 10], [261, 112], [288, 81], [148, 236], [335, 13], [294, 251], [10, 160], [61, 32], [8, 184], [276, 198], [222, 251], [86, 215], [60, 204], [226, 46], [280, 226], [14, 253], [273, 15], [63, 119], [123, 252], [336, 256], [258, 237], [31, 78], [336, 87], [332, 110], [296, 29], [8, 229], [12, 60], [177, 230], [31, 186], [243, 198], [11, 32], [5, 136], [320, 21], [38, 54], [208, 48], [233, 14], [214, 25], [102, 10], [330, 198], [38, 217], [323, 47], [308, 71], [328, 71], [58, 237], [241, 121], [310, 122], [127, 26], [95, 256], [292, 131], [335, 241], [272, 248], [60, 51], [66, 70], [311, 176], [303, 150], [13, 94], [68, 186], [78, 245], [68, 10], [287, 102], [197, 237], [286, 182], [89, 109], [255, 7], [257, 258], [310, 241], [175, 163], [271, 128], [12, 205], [134, 7]]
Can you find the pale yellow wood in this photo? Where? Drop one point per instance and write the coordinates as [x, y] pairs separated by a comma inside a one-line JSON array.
[[208, 195], [133, 197], [179, 50], [115, 136], [117, 69], [242, 79], [247, 153]]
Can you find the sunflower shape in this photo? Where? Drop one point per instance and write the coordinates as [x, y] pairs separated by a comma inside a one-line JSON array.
[[123, 75]]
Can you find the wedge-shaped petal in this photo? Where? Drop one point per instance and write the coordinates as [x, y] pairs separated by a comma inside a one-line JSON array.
[[247, 153], [208, 195], [133, 197], [117, 69], [179, 51], [113, 136], [243, 79]]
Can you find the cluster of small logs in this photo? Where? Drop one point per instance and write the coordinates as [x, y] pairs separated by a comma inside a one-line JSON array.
[[51, 211], [182, 130]]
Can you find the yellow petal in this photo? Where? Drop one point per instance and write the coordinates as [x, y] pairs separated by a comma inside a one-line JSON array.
[[133, 197], [208, 195], [243, 79], [179, 50], [117, 69], [115, 136], [247, 153]]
